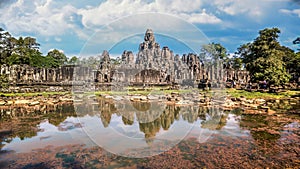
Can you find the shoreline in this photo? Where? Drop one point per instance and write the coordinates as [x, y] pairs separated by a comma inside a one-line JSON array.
[[232, 99]]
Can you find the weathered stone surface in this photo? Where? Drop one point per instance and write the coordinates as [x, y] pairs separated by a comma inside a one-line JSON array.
[[34, 103], [151, 65]]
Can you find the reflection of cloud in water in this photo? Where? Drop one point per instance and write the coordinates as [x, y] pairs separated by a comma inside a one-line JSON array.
[[68, 125], [132, 130], [45, 126], [232, 127], [49, 134]]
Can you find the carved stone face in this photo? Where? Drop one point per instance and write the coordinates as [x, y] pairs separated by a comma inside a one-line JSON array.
[[105, 56], [149, 35], [145, 45], [157, 46], [166, 53], [130, 57]]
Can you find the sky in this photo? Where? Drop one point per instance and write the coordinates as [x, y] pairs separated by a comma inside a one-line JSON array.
[[87, 27]]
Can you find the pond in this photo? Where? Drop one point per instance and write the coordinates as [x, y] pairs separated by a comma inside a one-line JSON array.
[[125, 134]]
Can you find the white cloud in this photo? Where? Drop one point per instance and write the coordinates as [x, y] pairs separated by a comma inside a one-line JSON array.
[[53, 20], [292, 12], [57, 39], [39, 17], [249, 7], [111, 10], [49, 18], [175, 6], [166, 25], [202, 17]]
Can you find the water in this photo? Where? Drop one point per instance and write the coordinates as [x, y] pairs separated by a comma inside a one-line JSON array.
[[114, 134]]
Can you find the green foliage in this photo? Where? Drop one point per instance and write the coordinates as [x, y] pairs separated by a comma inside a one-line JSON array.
[[92, 62], [237, 63], [264, 58], [73, 60], [292, 61], [213, 51], [5, 46], [56, 58], [254, 95], [3, 81], [214, 56], [26, 51], [115, 61], [23, 50]]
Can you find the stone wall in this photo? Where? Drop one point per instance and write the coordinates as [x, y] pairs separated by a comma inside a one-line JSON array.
[[24, 75], [155, 65], [152, 65]]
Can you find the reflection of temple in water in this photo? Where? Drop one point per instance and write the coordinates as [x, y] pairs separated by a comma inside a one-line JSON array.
[[23, 121], [151, 117], [152, 121]]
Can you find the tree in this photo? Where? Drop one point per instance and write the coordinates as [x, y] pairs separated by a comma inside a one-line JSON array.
[[236, 63], [213, 51], [115, 61], [293, 65], [24, 51], [73, 60], [264, 58], [56, 58], [214, 54], [5, 46]]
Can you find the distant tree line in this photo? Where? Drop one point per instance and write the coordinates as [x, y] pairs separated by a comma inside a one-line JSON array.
[[25, 50], [265, 58]]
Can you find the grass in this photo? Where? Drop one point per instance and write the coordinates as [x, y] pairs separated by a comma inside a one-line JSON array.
[[164, 91], [252, 95], [45, 94]]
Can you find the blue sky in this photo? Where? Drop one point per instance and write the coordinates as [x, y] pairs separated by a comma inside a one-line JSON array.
[[71, 25]]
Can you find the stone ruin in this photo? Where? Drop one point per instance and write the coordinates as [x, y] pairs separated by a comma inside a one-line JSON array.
[[152, 65]]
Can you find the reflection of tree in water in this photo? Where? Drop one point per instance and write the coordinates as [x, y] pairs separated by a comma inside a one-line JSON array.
[[22, 122], [127, 121], [264, 131], [60, 113], [213, 118], [270, 134], [165, 120]]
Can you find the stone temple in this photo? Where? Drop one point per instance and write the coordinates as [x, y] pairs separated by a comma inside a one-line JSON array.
[[152, 65]]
